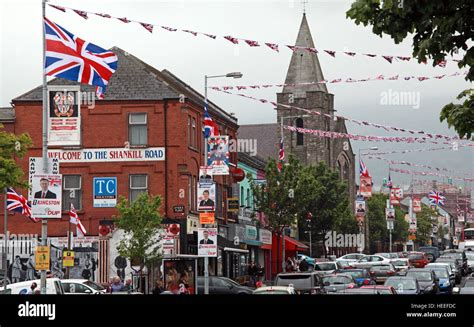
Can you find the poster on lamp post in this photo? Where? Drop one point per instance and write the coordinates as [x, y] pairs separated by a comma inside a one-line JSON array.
[[64, 118], [218, 154], [47, 194], [366, 186], [207, 242]]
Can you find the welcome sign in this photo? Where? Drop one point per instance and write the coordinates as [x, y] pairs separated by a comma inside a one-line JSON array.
[[108, 155]]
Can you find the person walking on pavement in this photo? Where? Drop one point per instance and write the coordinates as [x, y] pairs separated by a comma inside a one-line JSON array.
[[117, 285]]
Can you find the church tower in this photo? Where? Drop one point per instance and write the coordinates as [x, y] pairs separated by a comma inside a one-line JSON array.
[[305, 68]]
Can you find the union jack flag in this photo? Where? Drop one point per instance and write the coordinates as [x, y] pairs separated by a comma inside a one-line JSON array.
[[72, 58], [210, 127], [17, 202], [281, 155], [363, 169], [436, 198], [74, 219]]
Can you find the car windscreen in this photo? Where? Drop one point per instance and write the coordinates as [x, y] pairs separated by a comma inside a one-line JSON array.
[[415, 256], [337, 280], [94, 286], [298, 281], [455, 255], [273, 292], [356, 273], [401, 284], [420, 275], [398, 263], [441, 273], [470, 255], [325, 266]]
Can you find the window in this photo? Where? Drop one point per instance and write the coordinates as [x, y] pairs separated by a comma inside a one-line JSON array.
[[248, 198], [138, 184], [242, 196], [299, 136], [72, 192], [137, 129], [192, 132]]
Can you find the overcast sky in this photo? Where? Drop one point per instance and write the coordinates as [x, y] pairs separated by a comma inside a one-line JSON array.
[[191, 58]]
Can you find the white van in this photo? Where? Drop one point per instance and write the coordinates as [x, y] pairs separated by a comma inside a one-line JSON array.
[[81, 286], [53, 286]]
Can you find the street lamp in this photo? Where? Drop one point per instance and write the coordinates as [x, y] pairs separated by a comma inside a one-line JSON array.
[[206, 259], [366, 220]]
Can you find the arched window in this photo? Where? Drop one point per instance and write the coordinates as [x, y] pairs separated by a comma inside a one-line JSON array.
[[299, 136]]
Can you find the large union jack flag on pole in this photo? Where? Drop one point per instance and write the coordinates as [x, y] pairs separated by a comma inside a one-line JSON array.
[[72, 58], [17, 202], [436, 198], [210, 127], [363, 169]]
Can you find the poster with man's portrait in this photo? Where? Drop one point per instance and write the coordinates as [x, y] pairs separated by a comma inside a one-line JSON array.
[[218, 154], [366, 186], [360, 208], [396, 194], [46, 190], [206, 196], [207, 242], [390, 214], [416, 205]]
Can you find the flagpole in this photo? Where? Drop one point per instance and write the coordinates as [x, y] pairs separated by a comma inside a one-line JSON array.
[[5, 240], [44, 222]]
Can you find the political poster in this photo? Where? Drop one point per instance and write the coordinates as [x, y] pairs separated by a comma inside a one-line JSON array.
[[218, 154], [416, 205], [64, 118], [47, 193], [360, 208], [205, 174], [36, 165], [206, 196], [390, 214], [396, 194], [207, 242], [366, 186], [412, 226]]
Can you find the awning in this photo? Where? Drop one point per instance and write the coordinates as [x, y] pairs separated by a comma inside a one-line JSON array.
[[291, 244], [266, 247]]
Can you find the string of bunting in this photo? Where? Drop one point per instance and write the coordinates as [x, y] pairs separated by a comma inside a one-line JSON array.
[[429, 173], [403, 162], [452, 147], [334, 81], [356, 137], [359, 122], [252, 43]]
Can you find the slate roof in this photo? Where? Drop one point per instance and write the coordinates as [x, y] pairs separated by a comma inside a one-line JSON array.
[[7, 114], [136, 80], [252, 161], [266, 136]]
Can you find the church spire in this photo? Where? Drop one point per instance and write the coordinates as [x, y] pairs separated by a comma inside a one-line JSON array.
[[304, 65]]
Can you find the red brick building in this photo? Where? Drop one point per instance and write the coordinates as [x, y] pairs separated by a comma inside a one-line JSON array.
[[144, 109]]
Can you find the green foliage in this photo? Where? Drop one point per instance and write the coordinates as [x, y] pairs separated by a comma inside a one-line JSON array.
[[141, 223], [438, 27], [12, 145], [424, 226]]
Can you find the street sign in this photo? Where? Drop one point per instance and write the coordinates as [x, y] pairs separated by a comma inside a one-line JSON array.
[[178, 209], [47, 194], [68, 258], [390, 224], [42, 257], [105, 192]]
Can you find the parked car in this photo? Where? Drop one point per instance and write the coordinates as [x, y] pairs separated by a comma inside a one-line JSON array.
[[325, 267], [369, 290], [302, 282], [81, 286], [455, 264], [222, 285], [404, 285], [458, 255], [418, 259], [391, 255], [427, 279], [53, 286], [401, 266], [432, 252], [445, 284], [343, 264], [467, 287], [275, 290], [351, 257], [381, 272], [452, 276], [369, 261], [361, 276], [336, 282], [470, 260]]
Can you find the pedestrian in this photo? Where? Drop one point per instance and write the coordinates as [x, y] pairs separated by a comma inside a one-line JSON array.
[[32, 288], [117, 285], [252, 272], [158, 288], [183, 286], [128, 286], [30, 268], [16, 270], [290, 265], [303, 266]]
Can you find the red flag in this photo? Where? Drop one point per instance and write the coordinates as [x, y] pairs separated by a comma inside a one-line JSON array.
[[388, 58], [148, 27]]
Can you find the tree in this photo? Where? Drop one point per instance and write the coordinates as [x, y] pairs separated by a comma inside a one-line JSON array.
[[276, 199], [141, 222], [11, 145], [439, 28], [424, 226]]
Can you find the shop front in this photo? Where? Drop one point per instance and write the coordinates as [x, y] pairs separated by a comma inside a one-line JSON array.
[[265, 252], [292, 248]]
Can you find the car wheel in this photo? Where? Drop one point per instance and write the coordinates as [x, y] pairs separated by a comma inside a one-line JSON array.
[[430, 257]]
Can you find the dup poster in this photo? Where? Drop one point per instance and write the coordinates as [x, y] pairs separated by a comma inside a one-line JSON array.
[[390, 214], [396, 194], [218, 154], [360, 208], [366, 186], [64, 117], [207, 242], [416, 205], [206, 198], [46, 191]]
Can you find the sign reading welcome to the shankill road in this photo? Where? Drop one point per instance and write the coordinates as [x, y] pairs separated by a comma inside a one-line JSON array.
[[108, 154]]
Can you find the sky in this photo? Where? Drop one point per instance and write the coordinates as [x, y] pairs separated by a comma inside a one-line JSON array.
[[277, 21]]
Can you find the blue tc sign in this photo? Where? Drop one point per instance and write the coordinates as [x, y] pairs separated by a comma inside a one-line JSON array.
[[105, 192]]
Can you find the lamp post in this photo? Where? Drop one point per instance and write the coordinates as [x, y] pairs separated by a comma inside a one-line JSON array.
[[366, 220], [206, 77]]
